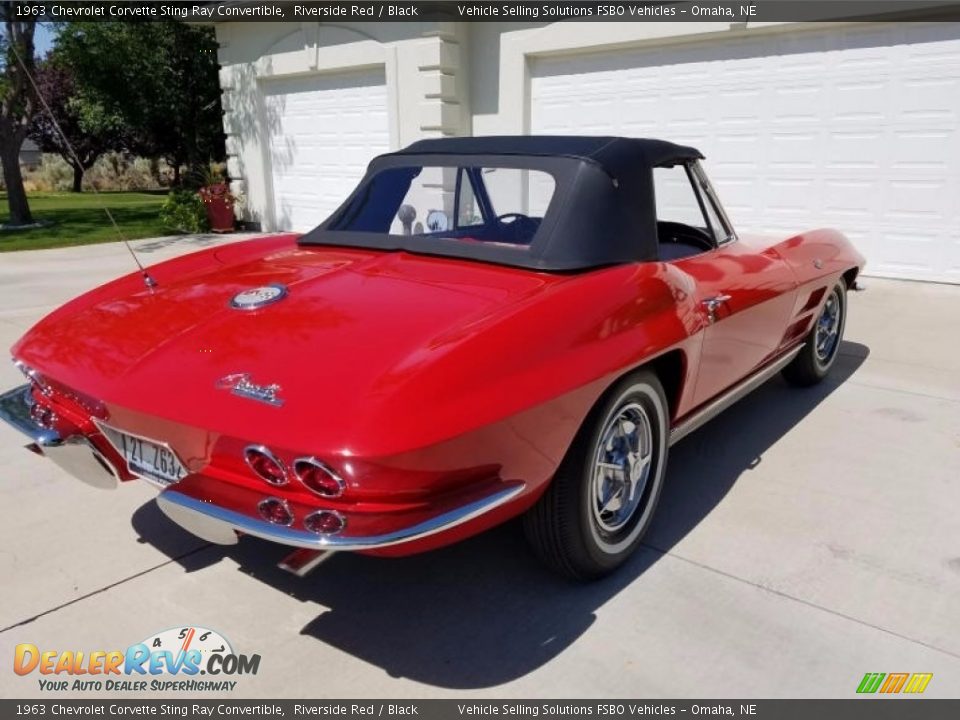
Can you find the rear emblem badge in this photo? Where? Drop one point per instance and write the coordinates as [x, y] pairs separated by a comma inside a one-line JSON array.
[[258, 297], [240, 384]]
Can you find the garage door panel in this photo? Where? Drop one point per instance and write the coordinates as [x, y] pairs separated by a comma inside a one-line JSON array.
[[855, 128], [926, 99], [322, 131], [850, 200]]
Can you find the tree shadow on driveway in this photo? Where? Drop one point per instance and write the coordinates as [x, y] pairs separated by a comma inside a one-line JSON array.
[[483, 612]]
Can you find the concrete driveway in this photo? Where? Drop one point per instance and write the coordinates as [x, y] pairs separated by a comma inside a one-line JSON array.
[[806, 537]]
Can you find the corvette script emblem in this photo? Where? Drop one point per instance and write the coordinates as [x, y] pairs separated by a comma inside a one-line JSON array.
[[258, 297], [240, 384]]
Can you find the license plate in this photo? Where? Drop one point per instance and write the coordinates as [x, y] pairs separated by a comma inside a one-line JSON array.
[[150, 459]]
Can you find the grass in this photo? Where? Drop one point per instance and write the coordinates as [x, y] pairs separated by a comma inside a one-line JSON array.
[[79, 219]]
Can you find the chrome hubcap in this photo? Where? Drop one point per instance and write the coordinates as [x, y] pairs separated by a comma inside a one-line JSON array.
[[828, 328], [621, 467]]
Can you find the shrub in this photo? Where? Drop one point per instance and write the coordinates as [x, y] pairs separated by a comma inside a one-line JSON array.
[[184, 210], [52, 174], [113, 171], [120, 171]]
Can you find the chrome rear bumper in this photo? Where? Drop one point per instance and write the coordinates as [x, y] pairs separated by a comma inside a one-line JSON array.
[[213, 523], [74, 454], [15, 408], [220, 525]]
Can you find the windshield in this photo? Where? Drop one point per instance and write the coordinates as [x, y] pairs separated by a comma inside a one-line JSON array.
[[469, 204]]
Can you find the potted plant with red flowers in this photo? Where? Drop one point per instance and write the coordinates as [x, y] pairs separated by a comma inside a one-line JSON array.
[[219, 203]]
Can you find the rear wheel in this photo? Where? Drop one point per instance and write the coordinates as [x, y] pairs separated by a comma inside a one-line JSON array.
[[822, 345], [602, 499]]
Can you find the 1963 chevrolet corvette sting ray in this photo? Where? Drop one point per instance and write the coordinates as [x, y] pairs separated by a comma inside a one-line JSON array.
[[486, 328]]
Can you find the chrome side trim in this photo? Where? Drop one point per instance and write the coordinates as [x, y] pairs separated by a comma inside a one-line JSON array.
[[15, 407], [217, 524], [737, 392]]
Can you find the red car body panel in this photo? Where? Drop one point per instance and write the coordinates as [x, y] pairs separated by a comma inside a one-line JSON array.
[[421, 380]]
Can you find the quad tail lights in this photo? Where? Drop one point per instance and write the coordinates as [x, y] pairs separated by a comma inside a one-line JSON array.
[[275, 511], [324, 522], [315, 475], [265, 465], [318, 478]]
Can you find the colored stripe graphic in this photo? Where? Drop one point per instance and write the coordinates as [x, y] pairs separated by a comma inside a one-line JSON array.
[[918, 683], [894, 682], [870, 682]]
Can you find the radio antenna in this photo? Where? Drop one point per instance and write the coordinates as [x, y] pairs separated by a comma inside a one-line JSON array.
[[147, 278]]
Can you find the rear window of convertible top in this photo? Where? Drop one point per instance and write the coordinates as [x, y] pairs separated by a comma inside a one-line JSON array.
[[497, 205]]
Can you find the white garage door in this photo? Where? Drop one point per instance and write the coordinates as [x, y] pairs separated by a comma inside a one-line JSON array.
[[323, 130], [857, 129]]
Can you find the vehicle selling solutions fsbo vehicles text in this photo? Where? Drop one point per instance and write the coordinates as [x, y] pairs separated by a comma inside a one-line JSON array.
[[601, 10]]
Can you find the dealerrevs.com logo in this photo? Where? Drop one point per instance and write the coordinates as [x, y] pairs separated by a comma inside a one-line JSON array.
[[169, 661]]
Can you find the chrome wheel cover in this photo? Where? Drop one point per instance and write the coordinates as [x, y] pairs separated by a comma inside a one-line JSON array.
[[621, 468], [827, 335]]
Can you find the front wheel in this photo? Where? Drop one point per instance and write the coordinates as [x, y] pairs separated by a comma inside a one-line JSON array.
[[602, 499], [822, 345]]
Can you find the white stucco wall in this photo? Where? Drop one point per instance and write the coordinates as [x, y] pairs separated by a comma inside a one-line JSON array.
[[442, 78], [421, 62]]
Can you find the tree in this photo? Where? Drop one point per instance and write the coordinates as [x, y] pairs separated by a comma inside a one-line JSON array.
[[17, 105], [160, 78], [89, 128]]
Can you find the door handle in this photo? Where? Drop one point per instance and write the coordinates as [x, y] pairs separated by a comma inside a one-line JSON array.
[[712, 304]]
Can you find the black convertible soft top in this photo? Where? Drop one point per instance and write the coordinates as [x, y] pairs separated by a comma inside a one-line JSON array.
[[602, 211], [616, 155]]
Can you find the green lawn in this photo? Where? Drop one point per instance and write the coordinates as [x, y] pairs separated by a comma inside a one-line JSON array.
[[79, 219]]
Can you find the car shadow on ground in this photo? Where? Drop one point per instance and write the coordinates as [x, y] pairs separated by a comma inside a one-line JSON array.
[[484, 612]]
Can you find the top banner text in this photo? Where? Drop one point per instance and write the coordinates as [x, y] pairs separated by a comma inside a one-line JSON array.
[[492, 11]]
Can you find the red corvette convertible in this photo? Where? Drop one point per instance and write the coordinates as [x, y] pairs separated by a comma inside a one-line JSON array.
[[486, 328]]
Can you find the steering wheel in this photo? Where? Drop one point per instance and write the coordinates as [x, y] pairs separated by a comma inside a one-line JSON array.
[[520, 227], [517, 217]]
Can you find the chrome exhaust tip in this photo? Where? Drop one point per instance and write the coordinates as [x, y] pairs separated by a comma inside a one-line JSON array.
[[303, 560]]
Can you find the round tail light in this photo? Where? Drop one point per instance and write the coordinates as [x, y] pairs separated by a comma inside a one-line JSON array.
[[43, 416], [265, 465], [275, 511], [325, 522], [318, 478], [38, 380]]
